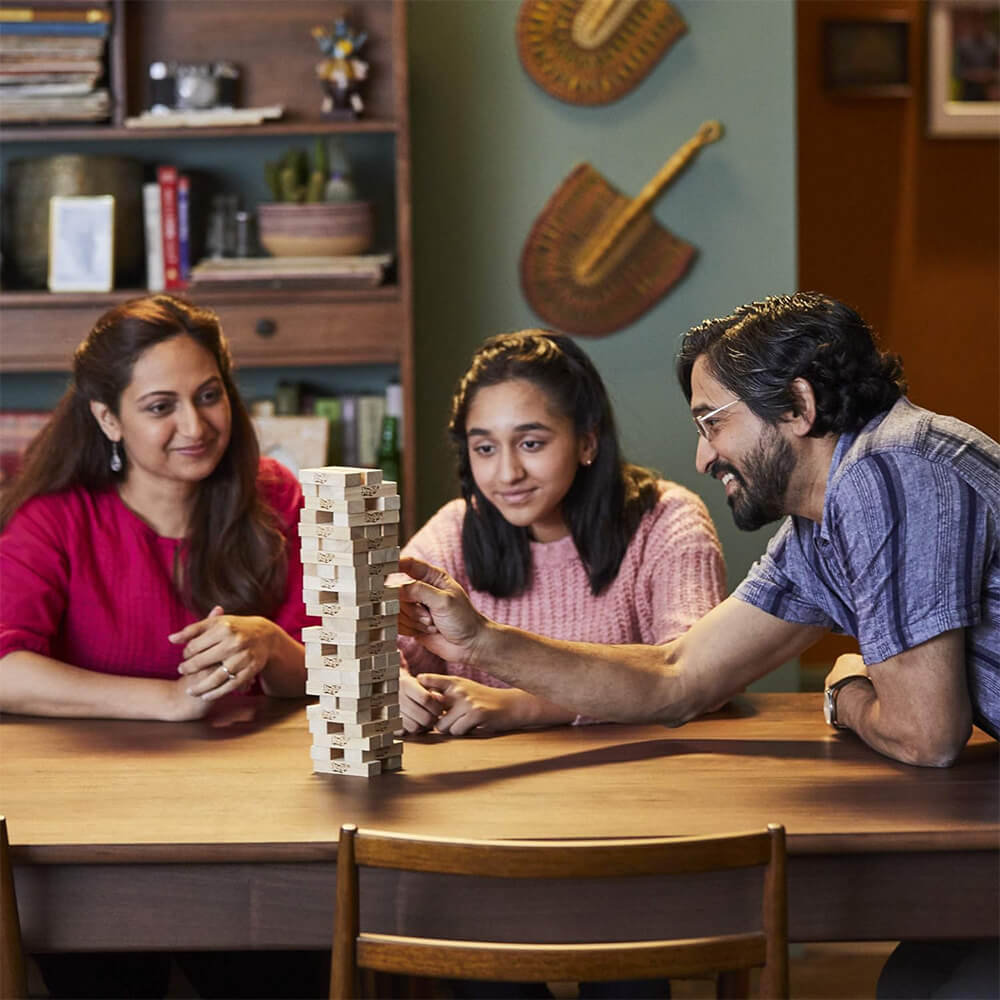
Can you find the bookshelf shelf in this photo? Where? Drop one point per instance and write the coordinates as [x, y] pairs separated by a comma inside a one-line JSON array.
[[98, 133], [266, 327]]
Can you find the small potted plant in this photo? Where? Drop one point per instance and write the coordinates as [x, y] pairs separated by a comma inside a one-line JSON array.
[[300, 221]]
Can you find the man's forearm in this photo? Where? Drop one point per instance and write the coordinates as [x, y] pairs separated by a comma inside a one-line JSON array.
[[859, 708], [631, 683]]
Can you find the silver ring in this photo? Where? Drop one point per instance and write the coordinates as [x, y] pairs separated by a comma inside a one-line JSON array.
[[226, 669]]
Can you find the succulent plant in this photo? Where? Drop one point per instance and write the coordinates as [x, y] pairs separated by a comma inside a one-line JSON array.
[[290, 179]]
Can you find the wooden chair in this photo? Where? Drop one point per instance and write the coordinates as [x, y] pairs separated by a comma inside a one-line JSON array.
[[12, 977], [732, 954]]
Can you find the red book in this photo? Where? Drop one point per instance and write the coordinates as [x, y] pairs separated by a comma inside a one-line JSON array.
[[167, 179]]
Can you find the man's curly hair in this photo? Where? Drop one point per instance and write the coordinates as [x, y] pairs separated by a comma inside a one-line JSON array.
[[762, 347]]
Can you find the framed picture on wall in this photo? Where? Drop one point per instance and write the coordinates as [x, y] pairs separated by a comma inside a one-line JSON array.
[[867, 57], [963, 68]]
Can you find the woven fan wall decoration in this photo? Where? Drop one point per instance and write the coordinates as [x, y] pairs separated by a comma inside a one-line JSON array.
[[594, 51]]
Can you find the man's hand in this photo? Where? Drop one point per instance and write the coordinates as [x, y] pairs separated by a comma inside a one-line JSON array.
[[846, 665], [437, 612]]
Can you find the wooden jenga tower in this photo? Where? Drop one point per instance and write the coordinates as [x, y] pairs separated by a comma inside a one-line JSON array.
[[349, 530]]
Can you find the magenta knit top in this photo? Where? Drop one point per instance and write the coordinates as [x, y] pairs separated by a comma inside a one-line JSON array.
[[86, 581], [672, 574]]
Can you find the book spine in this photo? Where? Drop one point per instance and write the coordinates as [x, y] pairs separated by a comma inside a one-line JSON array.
[[349, 430], [184, 227], [152, 222], [371, 410], [167, 178], [86, 15], [56, 28]]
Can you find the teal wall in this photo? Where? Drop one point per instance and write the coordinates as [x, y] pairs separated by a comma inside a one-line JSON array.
[[489, 147]]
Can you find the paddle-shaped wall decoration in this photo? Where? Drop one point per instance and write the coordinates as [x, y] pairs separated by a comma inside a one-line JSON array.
[[594, 51], [594, 261]]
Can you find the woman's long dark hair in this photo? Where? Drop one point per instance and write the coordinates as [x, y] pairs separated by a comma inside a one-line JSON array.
[[236, 552], [606, 500]]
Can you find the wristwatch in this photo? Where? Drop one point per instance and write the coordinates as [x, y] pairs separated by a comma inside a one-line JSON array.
[[830, 699]]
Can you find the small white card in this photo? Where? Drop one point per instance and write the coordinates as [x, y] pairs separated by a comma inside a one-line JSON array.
[[81, 243]]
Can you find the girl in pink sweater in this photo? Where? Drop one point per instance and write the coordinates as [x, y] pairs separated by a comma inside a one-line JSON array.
[[149, 556], [554, 533]]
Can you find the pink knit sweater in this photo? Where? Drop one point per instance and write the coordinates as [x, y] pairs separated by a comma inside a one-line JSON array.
[[672, 574]]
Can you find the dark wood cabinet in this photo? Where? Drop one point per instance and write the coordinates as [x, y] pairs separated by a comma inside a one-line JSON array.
[[271, 43]]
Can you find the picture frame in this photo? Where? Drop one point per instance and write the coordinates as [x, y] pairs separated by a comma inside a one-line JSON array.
[[297, 442], [81, 243], [867, 57], [963, 69]]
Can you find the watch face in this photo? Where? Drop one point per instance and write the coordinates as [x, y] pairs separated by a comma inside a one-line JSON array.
[[828, 706]]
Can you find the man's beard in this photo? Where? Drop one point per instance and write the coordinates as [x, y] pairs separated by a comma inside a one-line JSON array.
[[763, 485]]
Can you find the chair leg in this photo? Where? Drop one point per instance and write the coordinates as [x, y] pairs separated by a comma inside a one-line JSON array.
[[733, 984]]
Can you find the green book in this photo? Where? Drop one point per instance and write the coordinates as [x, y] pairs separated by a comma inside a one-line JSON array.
[[329, 407]]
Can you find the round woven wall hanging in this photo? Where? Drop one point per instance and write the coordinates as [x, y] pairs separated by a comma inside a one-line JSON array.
[[594, 51]]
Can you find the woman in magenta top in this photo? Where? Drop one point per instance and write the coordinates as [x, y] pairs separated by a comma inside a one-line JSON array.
[[149, 556], [554, 533]]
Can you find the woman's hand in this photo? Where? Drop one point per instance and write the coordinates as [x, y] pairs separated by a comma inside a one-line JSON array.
[[419, 707], [224, 653], [469, 705]]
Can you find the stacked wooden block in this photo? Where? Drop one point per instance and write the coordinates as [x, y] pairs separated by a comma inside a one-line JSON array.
[[349, 531]]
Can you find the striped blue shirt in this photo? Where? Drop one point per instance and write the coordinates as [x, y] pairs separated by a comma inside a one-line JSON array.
[[908, 548]]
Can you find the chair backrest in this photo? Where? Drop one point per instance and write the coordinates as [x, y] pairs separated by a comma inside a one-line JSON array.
[[12, 977], [733, 954]]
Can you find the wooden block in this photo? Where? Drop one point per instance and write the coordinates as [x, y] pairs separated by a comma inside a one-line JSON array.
[[320, 726], [390, 554], [377, 592], [385, 530], [393, 763], [346, 676], [351, 689], [334, 505], [386, 488], [339, 475], [355, 755], [367, 517], [357, 716], [347, 650], [323, 564], [314, 516], [324, 655], [347, 703], [350, 768], [355, 626], [323, 739], [316, 593], [324, 550], [331, 530], [383, 503]]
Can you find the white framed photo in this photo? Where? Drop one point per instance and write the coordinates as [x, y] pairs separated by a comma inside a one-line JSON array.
[[963, 86], [81, 243]]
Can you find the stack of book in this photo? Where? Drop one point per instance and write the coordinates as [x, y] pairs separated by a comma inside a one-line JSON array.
[[357, 271], [173, 220], [51, 61]]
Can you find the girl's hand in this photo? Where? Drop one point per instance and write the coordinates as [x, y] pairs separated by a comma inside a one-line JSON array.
[[468, 705], [419, 707], [224, 653]]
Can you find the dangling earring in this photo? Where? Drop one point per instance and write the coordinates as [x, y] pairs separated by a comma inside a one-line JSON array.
[[116, 459]]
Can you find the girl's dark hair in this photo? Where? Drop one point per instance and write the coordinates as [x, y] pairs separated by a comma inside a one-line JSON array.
[[236, 552], [607, 499], [759, 350]]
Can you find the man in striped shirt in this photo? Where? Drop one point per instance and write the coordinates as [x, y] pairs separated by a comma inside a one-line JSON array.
[[893, 536], [895, 516]]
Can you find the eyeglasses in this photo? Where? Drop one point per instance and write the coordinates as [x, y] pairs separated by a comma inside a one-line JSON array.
[[707, 429]]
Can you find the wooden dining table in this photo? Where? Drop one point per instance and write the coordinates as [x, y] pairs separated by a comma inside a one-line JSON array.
[[217, 834]]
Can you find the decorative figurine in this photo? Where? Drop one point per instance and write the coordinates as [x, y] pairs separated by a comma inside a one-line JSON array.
[[342, 72]]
